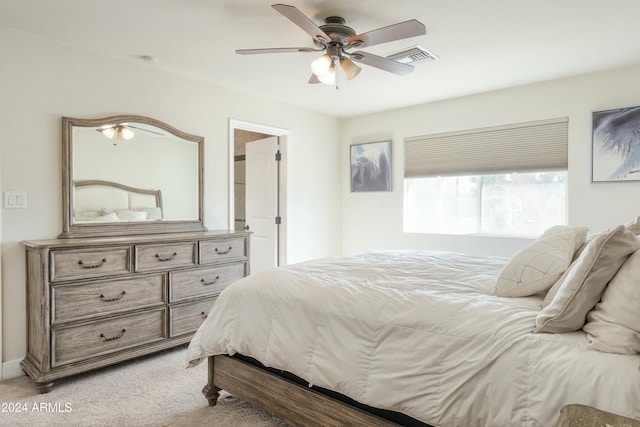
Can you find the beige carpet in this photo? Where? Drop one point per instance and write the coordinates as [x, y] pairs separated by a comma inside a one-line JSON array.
[[152, 391]]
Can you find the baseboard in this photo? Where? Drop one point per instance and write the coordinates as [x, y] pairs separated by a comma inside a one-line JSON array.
[[12, 369]]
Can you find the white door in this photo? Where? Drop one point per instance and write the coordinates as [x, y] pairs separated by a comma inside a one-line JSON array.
[[262, 203]]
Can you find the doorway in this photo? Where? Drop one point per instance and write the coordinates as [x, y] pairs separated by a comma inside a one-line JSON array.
[[258, 191]]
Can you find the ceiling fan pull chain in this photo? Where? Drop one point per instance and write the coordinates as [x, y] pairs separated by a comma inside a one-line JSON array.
[[337, 66]]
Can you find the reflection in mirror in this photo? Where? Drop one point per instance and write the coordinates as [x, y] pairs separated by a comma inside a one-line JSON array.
[[130, 174]]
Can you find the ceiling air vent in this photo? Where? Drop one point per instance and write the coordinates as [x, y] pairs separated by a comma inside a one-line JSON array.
[[413, 55]]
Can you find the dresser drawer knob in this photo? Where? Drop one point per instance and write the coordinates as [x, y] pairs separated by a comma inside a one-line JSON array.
[[115, 337], [223, 252], [204, 315], [119, 297], [169, 258], [210, 283], [94, 265]]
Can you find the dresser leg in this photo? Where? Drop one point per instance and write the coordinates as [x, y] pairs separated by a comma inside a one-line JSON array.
[[44, 387]]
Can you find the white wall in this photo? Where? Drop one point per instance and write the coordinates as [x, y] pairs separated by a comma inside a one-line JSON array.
[[42, 81], [374, 220]]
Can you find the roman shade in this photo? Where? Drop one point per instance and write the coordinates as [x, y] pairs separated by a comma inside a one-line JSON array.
[[531, 146]]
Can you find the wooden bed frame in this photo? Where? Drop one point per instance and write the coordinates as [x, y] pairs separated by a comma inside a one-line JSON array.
[[296, 404], [300, 405]]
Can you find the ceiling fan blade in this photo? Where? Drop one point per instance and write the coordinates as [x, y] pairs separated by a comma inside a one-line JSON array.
[[302, 21], [143, 129], [382, 63], [391, 33], [276, 50], [314, 79]]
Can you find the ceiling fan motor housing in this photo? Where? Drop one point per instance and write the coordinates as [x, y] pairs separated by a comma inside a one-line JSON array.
[[334, 27]]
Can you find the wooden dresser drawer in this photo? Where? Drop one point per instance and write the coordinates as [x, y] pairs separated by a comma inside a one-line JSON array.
[[162, 257], [222, 250], [78, 301], [189, 284], [72, 264], [93, 339], [186, 318]]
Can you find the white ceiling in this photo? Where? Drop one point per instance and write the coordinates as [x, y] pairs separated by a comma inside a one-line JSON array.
[[482, 44]]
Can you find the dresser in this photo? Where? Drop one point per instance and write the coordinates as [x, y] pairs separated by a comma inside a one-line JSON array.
[[94, 302]]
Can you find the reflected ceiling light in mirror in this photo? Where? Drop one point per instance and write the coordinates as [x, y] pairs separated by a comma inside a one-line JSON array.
[[109, 132], [119, 132], [124, 133]]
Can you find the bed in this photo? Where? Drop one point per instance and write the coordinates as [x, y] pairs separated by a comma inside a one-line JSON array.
[[435, 338], [108, 201]]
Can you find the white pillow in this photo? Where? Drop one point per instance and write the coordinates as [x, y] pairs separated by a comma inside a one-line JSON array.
[[538, 266], [152, 213], [87, 215], [580, 232], [583, 283], [108, 217], [634, 225], [613, 326], [127, 215]]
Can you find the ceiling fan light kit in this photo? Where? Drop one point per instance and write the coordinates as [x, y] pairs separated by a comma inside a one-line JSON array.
[[351, 70], [325, 67], [337, 40], [123, 131], [119, 132], [322, 65]]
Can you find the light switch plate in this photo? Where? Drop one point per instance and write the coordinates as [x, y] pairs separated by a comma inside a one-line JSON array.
[[15, 199]]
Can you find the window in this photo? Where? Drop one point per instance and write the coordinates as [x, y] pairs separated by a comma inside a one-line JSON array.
[[462, 182], [503, 204]]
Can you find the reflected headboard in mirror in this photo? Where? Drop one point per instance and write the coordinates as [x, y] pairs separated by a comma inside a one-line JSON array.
[[100, 201], [130, 175]]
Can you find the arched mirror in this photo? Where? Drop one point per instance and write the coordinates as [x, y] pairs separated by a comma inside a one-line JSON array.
[[130, 175]]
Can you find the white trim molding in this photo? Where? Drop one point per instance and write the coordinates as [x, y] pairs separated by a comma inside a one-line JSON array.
[[11, 369]]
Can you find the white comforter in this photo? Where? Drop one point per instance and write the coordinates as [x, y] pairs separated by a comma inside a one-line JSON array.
[[419, 333]]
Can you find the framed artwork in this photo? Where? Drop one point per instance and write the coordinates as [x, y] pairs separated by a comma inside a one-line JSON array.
[[616, 145], [371, 166]]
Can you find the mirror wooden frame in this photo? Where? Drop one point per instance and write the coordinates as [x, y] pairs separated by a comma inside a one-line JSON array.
[[69, 229]]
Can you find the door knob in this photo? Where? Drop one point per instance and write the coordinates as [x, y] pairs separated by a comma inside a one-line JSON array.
[[246, 227]]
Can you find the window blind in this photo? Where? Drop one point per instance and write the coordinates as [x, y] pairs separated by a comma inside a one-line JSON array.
[[539, 145]]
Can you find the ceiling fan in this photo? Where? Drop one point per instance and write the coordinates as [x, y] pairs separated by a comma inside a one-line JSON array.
[[337, 40], [122, 131]]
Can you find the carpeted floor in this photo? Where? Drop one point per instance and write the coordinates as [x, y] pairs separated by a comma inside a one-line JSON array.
[[153, 391]]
